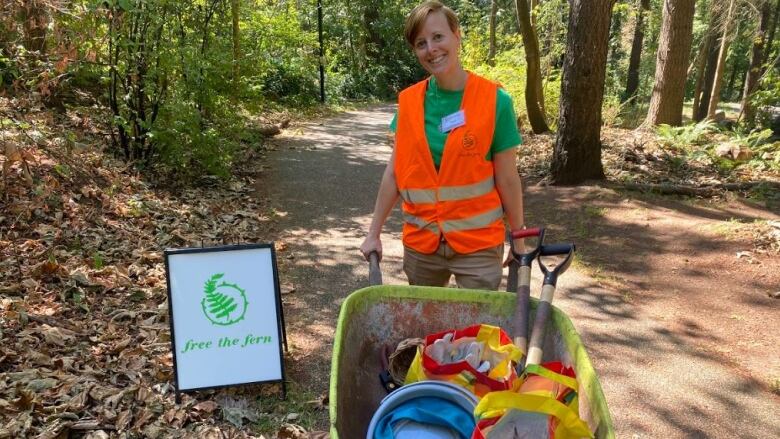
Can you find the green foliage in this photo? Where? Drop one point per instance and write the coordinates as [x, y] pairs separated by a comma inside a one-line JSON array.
[[366, 53], [699, 142], [766, 99], [686, 136], [9, 71]]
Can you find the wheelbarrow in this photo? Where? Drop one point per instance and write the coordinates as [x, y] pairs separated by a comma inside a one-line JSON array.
[[380, 315]]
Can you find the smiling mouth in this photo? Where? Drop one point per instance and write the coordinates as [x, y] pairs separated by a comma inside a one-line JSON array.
[[437, 61]]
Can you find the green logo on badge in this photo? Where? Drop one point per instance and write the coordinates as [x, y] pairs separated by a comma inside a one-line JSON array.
[[224, 304]]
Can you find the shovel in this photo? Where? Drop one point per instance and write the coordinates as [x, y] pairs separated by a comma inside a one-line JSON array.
[[520, 266], [545, 300]]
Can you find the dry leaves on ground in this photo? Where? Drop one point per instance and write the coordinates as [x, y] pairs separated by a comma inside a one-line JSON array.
[[84, 331]]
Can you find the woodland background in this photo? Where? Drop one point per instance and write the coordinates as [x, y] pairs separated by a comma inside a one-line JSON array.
[[127, 126]]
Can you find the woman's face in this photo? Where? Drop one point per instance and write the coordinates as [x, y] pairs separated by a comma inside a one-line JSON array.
[[436, 45]]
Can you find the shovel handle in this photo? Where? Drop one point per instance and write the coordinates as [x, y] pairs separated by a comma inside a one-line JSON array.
[[374, 272], [551, 276], [525, 259], [519, 280], [540, 322], [525, 233]]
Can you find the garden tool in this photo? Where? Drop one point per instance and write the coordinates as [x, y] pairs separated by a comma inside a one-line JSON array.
[[545, 300], [520, 266]]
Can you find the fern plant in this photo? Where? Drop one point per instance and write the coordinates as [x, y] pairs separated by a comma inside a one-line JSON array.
[[219, 306]]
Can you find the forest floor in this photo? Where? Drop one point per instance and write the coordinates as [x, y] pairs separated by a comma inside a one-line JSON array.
[[675, 297]]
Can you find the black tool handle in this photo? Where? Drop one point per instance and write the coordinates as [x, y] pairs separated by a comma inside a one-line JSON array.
[[551, 276], [374, 272]]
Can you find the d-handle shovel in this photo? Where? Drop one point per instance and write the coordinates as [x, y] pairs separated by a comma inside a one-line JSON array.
[[520, 267], [374, 273], [545, 301]]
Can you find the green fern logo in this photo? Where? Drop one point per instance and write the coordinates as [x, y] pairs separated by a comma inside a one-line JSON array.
[[223, 304]]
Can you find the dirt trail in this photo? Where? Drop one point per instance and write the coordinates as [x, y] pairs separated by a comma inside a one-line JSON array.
[[683, 334]]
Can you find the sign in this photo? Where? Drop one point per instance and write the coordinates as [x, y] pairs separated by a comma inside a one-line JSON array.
[[227, 326]]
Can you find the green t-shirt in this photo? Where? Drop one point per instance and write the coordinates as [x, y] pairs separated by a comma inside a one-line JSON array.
[[440, 103]]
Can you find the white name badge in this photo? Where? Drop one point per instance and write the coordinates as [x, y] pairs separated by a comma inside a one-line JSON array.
[[452, 121]]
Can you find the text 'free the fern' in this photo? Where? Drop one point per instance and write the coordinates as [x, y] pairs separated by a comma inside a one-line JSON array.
[[227, 342]]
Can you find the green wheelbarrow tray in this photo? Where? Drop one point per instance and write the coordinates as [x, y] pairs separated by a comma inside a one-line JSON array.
[[374, 316]]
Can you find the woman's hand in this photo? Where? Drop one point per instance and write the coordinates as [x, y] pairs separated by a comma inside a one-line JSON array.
[[371, 244], [519, 248]]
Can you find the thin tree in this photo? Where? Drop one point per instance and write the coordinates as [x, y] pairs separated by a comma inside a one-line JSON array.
[[577, 154], [235, 6], [632, 82], [534, 98], [725, 41], [671, 63], [709, 79], [700, 65], [491, 58], [770, 39], [756, 56]]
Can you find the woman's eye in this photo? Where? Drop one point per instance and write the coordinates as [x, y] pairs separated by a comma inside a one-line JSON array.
[[437, 37], [420, 44]]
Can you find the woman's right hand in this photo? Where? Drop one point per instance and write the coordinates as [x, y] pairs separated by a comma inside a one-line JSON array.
[[371, 244]]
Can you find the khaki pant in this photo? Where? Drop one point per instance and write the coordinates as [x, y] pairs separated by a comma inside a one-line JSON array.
[[480, 270]]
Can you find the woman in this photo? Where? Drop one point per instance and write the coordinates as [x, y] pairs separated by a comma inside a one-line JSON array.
[[453, 164]]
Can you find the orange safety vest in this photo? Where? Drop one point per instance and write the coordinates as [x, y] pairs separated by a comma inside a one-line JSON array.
[[459, 201]]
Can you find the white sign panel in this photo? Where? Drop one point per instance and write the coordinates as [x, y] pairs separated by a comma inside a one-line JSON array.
[[226, 320]]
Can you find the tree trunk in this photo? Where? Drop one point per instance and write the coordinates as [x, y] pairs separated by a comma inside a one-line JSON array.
[[701, 65], [756, 55], [35, 21], [235, 6], [632, 83], [770, 39], [709, 79], [577, 155], [532, 4], [534, 100], [725, 41], [491, 58], [726, 94], [671, 63]]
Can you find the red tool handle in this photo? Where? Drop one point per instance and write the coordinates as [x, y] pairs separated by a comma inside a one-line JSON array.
[[525, 233]]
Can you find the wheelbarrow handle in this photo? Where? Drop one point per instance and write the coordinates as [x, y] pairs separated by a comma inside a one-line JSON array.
[[374, 272]]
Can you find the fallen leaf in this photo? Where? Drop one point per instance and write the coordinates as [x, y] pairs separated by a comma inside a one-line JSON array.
[[206, 407], [41, 384], [291, 431]]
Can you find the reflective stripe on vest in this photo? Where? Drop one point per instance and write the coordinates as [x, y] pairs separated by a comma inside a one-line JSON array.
[[421, 223], [448, 193], [474, 222]]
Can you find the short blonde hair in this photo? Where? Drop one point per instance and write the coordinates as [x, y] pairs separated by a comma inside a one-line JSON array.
[[417, 17]]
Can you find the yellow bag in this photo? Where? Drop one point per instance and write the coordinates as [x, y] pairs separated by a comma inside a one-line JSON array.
[[545, 406], [498, 346]]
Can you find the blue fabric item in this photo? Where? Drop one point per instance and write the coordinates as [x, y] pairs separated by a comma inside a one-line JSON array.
[[428, 410]]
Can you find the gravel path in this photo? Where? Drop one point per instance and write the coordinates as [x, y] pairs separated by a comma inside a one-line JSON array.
[[666, 370]]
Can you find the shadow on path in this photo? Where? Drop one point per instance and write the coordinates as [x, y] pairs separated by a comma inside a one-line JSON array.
[[681, 331]]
